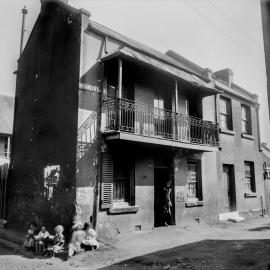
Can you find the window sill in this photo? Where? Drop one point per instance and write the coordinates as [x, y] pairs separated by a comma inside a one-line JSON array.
[[195, 204], [250, 195], [247, 136], [227, 131], [124, 209]]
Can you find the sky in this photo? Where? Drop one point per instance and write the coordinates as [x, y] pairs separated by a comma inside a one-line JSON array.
[[216, 34]]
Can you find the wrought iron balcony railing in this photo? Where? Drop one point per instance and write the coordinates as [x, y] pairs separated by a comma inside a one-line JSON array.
[[142, 119]]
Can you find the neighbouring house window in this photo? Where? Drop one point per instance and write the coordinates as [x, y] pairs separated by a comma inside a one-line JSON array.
[[246, 119], [123, 180], [6, 147], [194, 189], [249, 176], [225, 113]]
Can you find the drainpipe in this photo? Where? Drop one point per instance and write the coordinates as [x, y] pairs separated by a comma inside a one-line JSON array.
[[99, 165], [257, 106]]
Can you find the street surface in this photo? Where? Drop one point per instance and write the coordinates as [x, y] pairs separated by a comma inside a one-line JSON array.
[[223, 246]]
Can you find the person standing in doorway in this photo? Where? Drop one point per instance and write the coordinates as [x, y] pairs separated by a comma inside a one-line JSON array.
[[167, 203]]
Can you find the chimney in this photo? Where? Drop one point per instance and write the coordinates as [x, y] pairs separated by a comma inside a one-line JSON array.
[[207, 72], [225, 75], [55, 1]]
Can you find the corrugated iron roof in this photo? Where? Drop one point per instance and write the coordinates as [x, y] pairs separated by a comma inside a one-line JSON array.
[[6, 114], [129, 53], [141, 47]]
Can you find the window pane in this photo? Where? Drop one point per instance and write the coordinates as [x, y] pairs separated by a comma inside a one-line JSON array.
[[244, 126], [192, 182], [244, 113], [224, 121], [249, 176], [246, 121], [121, 180], [223, 106], [225, 113]]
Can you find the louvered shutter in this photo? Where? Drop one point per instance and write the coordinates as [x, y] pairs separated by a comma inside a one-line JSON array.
[[107, 181], [199, 179], [132, 184]]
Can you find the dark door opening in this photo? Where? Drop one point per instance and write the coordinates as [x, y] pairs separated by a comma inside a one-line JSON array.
[[164, 206], [229, 183]]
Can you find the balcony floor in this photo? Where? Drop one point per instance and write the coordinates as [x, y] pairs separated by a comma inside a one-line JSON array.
[[109, 136]]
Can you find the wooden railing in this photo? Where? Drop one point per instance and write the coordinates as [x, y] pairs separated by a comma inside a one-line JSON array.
[[143, 119]]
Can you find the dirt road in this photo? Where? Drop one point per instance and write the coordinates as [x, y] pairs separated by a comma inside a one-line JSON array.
[[200, 247]]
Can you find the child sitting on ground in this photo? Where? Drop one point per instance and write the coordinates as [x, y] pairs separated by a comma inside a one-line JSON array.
[[58, 241], [29, 238], [90, 241], [41, 240], [77, 238]]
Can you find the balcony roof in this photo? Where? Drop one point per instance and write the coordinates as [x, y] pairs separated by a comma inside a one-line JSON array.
[[129, 53], [138, 46]]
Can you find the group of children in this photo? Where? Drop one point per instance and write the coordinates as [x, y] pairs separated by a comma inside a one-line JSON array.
[[83, 237], [42, 242]]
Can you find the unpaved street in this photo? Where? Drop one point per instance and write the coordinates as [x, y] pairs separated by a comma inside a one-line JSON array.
[[200, 247]]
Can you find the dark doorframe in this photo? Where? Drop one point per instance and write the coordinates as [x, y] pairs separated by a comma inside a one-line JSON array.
[[229, 182], [161, 176]]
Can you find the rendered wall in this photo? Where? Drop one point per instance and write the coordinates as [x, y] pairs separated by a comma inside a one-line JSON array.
[[207, 212], [91, 84], [235, 150]]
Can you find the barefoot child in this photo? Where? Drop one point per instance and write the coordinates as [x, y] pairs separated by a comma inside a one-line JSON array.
[[29, 238], [90, 240], [41, 240], [58, 242]]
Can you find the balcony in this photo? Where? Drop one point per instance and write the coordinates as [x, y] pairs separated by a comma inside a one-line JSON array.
[[153, 125]]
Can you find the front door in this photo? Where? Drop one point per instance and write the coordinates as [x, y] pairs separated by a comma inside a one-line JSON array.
[[163, 197], [229, 184]]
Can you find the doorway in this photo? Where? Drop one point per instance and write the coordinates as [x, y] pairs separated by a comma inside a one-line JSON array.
[[164, 205], [229, 184]]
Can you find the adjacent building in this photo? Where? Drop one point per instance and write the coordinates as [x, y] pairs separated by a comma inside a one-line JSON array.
[[6, 124], [112, 129]]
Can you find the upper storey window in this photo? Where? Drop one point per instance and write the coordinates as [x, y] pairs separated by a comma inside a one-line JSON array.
[[246, 120], [225, 109]]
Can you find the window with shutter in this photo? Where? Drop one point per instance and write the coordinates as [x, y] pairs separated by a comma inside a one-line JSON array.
[[107, 181]]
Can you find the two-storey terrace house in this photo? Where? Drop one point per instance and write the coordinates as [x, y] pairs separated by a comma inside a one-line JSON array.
[[110, 129], [239, 160], [240, 171]]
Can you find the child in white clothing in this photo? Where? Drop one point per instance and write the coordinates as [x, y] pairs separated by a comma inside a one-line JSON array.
[[90, 240], [41, 240]]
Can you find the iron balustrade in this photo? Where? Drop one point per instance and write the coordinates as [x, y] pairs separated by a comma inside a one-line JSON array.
[[143, 119], [86, 135]]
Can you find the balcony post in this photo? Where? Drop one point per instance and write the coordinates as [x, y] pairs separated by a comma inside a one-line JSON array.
[[176, 97], [120, 79], [176, 110]]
